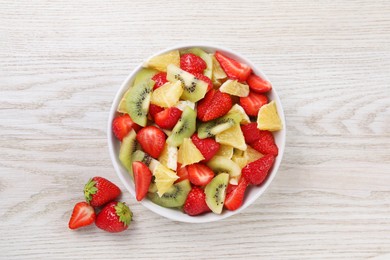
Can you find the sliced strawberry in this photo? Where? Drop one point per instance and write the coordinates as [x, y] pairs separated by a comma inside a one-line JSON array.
[[251, 132], [159, 79], [192, 63], [196, 202], [235, 197], [83, 215], [152, 140], [214, 105], [266, 143], [142, 179], [258, 84], [208, 146], [122, 125], [182, 173], [253, 102], [205, 79], [233, 68], [168, 118], [154, 109], [256, 172], [199, 174]]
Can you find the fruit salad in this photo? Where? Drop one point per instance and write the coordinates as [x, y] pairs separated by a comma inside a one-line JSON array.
[[196, 130]]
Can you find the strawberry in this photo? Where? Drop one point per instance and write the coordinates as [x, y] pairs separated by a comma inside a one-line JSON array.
[[235, 197], [253, 102], [154, 109], [214, 105], [114, 217], [233, 68], [205, 79], [196, 202], [83, 215], [192, 63], [258, 84], [159, 79], [266, 143], [199, 174], [256, 172], [251, 132], [208, 146], [142, 179], [168, 118], [182, 172], [122, 125], [152, 140], [98, 191]]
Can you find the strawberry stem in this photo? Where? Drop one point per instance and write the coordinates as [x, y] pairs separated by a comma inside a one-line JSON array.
[[89, 190], [124, 213]]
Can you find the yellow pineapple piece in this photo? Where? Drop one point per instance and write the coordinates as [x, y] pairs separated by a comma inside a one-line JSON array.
[[237, 109], [168, 157], [161, 62], [225, 151], [167, 95], [188, 153], [252, 154], [235, 88], [218, 72], [232, 136], [268, 118], [164, 178]]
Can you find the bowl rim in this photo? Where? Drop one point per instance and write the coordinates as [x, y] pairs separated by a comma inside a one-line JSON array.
[[172, 213]]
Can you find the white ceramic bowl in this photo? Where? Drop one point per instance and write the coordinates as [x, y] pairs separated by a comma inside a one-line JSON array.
[[252, 193]]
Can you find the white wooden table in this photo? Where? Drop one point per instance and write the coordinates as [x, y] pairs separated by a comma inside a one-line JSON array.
[[61, 63]]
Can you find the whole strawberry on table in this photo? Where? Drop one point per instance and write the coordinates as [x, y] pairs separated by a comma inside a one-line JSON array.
[[196, 129]]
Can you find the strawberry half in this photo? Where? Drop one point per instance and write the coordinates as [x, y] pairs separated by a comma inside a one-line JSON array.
[[253, 102], [168, 118], [154, 110], [256, 172], [182, 173], [114, 217], [199, 174], [208, 146], [98, 191], [152, 140], [214, 105], [251, 132], [192, 63], [196, 202], [235, 197], [159, 80], [233, 68], [266, 143], [205, 79], [122, 125], [142, 179], [258, 84], [83, 215]]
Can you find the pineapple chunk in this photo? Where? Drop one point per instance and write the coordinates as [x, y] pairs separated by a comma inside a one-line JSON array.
[[235, 88], [162, 61], [232, 136], [167, 95], [164, 178], [188, 153]]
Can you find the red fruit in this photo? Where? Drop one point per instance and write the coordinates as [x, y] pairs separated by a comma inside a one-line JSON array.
[[122, 125], [256, 172], [182, 172], [233, 68], [196, 202], [83, 215], [266, 143], [258, 84], [152, 140], [192, 63], [159, 79], [214, 105], [251, 132], [154, 109], [235, 197], [199, 174], [142, 179], [168, 118], [208, 146], [205, 79], [114, 217], [98, 191], [253, 102]]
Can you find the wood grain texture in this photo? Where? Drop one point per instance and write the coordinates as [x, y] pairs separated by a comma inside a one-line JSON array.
[[61, 63]]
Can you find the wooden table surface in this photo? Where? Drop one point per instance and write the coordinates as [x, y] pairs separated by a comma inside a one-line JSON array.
[[61, 63]]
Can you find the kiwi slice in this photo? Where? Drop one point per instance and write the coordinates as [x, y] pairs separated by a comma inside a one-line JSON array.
[[140, 156], [194, 89], [206, 57], [174, 197], [184, 128], [223, 164], [216, 126], [138, 97], [128, 146], [216, 192]]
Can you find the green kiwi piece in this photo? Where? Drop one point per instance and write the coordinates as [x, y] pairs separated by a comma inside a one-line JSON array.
[[194, 89], [216, 126], [140, 156], [223, 164], [152, 187], [174, 197], [138, 97], [128, 146], [206, 57], [216, 192], [184, 128]]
